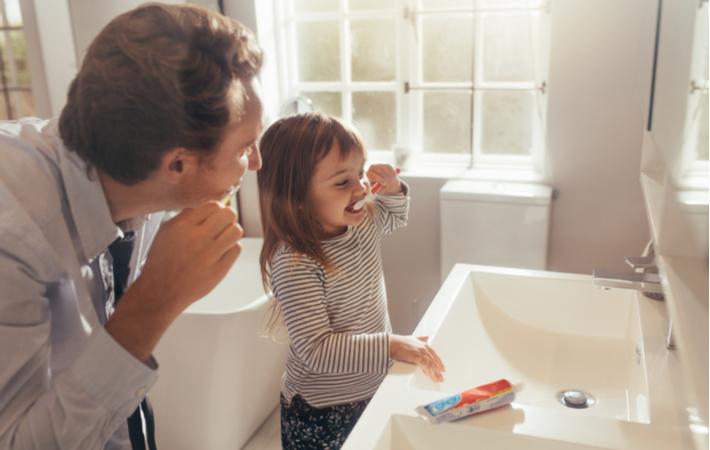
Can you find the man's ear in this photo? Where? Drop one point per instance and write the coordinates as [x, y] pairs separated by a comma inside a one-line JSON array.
[[176, 164]]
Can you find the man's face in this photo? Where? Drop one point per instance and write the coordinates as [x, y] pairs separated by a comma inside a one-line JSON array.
[[238, 152]]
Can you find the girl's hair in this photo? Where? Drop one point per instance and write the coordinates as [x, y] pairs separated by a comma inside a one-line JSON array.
[[290, 150]]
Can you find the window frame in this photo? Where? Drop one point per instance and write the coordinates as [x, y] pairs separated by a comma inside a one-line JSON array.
[[409, 106], [694, 171]]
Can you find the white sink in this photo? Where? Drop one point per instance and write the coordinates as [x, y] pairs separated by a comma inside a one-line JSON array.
[[554, 332]]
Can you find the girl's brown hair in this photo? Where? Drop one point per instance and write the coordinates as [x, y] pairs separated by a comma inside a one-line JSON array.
[[290, 150]]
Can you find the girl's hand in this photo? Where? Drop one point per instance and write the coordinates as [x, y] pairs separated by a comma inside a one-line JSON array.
[[415, 350], [386, 176]]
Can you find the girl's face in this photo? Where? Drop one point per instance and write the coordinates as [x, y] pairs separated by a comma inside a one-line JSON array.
[[337, 184]]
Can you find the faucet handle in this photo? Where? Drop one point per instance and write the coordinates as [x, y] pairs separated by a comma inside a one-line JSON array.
[[640, 261]]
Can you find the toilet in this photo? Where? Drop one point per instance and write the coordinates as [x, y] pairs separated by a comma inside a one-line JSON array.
[[494, 224]]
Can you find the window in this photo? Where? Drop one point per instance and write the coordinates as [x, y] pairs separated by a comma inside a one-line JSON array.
[[460, 81], [694, 155], [16, 99]]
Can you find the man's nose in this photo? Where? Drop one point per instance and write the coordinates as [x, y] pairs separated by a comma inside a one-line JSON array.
[[255, 158]]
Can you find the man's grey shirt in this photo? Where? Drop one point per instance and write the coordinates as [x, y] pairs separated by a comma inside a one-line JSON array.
[[64, 382]]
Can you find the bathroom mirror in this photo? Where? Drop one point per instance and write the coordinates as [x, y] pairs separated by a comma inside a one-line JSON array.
[[678, 123]]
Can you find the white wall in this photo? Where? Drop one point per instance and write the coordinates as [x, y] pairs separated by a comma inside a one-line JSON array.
[[595, 132]]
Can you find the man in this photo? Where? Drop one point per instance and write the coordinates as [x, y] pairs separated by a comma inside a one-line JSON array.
[[164, 114]]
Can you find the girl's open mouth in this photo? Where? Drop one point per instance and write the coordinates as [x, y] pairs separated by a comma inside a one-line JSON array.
[[351, 208]]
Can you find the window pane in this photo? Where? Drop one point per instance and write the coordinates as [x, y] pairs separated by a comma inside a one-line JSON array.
[[4, 113], [447, 47], [430, 4], [20, 50], [447, 122], [14, 15], [374, 48], [375, 115], [507, 48], [507, 121], [330, 103], [704, 44], [371, 4], [511, 3], [318, 47], [5, 61], [702, 147], [306, 6], [23, 104]]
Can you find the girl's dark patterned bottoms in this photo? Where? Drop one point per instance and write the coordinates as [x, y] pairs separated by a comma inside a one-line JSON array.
[[306, 427]]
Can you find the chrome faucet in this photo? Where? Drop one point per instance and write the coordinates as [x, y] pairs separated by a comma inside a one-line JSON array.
[[648, 283]]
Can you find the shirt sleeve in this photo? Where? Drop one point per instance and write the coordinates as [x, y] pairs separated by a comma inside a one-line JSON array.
[[299, 289], [391, 210], [79, 408]]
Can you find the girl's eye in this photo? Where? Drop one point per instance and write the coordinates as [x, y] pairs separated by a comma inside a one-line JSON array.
[[361, 175], [342, 183]]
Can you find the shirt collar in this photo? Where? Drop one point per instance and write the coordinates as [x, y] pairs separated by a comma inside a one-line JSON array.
[[89, 207]]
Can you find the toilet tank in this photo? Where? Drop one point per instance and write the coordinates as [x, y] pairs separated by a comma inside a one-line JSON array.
[[494, 224]]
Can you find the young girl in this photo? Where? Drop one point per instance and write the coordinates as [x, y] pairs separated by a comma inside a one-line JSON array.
[[321, 261]]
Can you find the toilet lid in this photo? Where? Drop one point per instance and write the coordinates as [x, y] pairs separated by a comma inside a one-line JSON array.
[[490, 191]]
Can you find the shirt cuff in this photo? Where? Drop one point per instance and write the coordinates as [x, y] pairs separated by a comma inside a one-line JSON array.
[[405, 191], [111, 375]]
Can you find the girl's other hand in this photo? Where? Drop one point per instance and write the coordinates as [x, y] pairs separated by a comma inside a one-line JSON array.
[[415, 350], [386, 175]]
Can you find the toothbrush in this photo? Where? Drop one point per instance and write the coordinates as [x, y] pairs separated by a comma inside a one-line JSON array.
[[373, 191], [233, 190]]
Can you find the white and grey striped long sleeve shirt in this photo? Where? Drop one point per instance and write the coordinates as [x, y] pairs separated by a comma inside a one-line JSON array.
[[338, 325]]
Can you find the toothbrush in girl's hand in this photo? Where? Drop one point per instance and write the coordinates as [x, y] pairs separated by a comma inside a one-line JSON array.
[[357, 206]]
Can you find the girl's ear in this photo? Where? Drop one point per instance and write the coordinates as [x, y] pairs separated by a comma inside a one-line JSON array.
[[176, 164]]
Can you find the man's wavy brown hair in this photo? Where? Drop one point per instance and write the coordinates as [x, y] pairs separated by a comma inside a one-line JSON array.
[[156, 78]]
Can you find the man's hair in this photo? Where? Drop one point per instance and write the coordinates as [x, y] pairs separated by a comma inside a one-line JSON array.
[[156, 78]]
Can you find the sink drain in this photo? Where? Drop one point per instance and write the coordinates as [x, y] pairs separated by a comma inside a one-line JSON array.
[[575, 399]]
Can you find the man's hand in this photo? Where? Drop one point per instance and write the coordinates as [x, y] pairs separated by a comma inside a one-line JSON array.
[[189, 256]]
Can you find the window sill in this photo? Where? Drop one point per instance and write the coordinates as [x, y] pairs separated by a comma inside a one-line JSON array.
[[522, 174]]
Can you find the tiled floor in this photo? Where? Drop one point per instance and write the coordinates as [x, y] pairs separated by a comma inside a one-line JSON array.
[[268, 436]]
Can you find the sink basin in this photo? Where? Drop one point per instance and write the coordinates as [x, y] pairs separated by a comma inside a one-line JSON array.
[[552, 331], [556, 333]]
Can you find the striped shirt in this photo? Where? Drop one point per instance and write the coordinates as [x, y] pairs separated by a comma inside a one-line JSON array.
[[338, 325]]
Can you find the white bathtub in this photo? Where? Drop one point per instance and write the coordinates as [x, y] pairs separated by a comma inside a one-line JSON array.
[[219, 380]]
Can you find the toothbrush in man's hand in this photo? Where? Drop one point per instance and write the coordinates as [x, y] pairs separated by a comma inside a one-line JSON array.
[[357, 206], [233, 190]]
